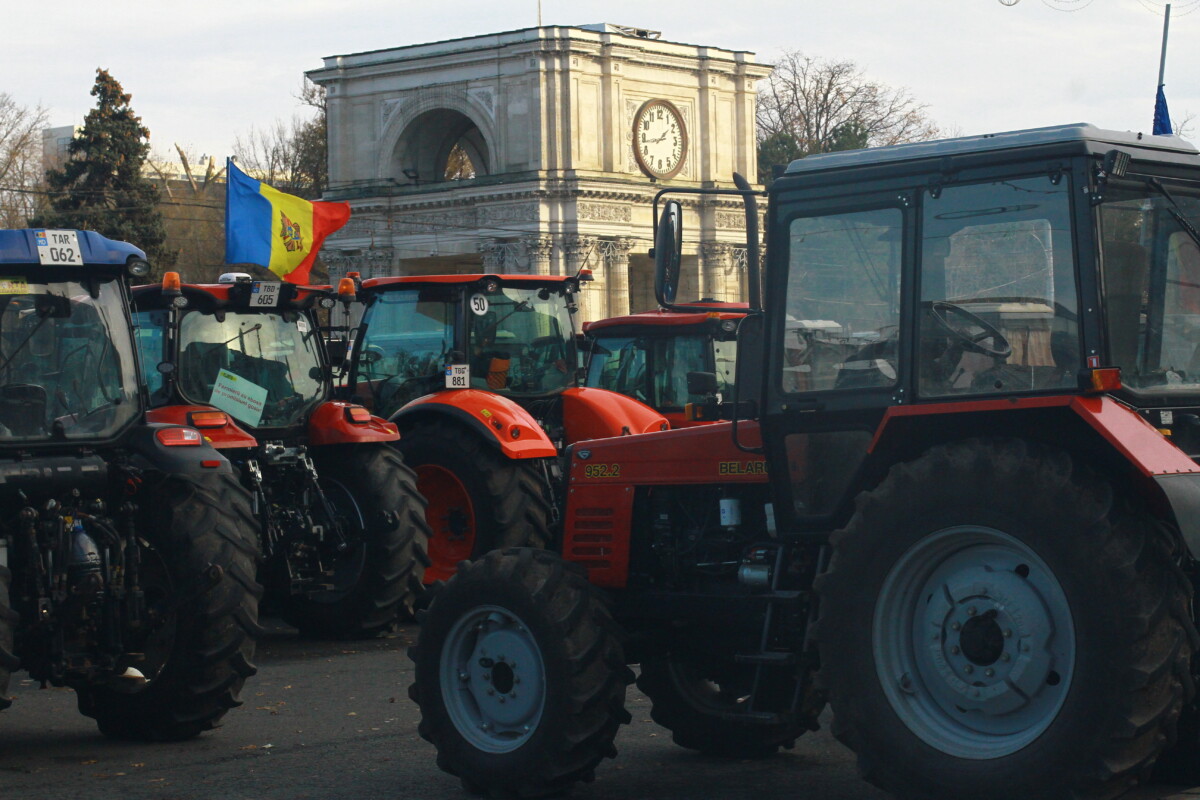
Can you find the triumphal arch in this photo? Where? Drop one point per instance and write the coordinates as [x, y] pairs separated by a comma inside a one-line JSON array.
[[540, 151]]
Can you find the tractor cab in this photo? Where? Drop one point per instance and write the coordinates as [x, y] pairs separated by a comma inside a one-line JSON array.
[[650, 356], [251, 349], [68, 371], [510, 335]]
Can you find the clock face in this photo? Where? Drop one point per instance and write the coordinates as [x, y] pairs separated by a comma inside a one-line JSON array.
[[659, 139]]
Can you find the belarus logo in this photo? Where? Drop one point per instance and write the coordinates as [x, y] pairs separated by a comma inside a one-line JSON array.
[[289, 231]]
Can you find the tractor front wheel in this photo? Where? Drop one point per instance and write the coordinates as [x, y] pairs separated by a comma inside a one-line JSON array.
[[478, 499], [194, 649], [519, 675], [996, 623], [382, 519]]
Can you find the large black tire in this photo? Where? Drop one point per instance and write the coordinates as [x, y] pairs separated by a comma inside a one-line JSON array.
[[478, 499], [520, 626], [383, 515], [697, 703], [940, 566], [8, 624], [199, 578]]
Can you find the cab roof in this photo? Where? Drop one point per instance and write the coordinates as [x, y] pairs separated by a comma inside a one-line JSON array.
[[208, 296], [442, 280], [663, 317], [1078, 138], [20, 247]]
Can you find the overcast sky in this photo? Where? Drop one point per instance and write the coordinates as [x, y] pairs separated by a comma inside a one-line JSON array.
[[202, 74]]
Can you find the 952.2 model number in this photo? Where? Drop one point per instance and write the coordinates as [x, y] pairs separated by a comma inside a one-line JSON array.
[[602, 471]]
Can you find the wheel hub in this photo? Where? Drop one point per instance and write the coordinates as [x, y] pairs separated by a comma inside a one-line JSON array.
[[493, 679], [974, 642]]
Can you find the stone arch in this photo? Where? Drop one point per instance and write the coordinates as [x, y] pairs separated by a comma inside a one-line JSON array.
[[419, 135]]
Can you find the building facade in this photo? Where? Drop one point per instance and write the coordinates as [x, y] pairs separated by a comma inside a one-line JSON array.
[[540, 151]]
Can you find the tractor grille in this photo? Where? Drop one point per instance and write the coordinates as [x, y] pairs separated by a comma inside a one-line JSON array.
[[589, 540]]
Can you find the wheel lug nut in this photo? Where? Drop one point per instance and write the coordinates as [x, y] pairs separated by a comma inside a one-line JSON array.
[[501, 698], [955, 650], [487, 676], [1005, 657], [491, 691], [513, 695], [968, 669], [971, 611], [1008, 633], [989, 672], [463, 676], [955, 626], [487, 726]]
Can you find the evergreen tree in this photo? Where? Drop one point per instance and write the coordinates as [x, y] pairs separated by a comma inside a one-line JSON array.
[[101, 187]]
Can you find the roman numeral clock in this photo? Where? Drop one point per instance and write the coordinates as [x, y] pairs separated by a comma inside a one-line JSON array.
[[660, 139]]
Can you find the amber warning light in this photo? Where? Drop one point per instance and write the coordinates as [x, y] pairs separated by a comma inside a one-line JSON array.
[[171, 284], [346, 289]]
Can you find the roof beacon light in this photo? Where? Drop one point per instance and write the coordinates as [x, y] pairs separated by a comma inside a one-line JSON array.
[[346, 289], [171, 285]]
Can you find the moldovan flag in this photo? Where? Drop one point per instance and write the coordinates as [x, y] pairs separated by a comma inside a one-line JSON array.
[[278, 231]]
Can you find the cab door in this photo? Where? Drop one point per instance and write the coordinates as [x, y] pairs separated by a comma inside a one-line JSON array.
[[837, 294]]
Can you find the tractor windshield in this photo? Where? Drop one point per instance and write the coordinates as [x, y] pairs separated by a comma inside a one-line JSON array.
[[262, 369], [522, 342], [654, 369], [1152, 285], [407, 343], [67, 368]]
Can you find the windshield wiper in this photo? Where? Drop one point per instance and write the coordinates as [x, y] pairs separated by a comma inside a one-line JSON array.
[[1175, 213]]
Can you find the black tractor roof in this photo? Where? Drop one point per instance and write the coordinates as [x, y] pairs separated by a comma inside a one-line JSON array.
[[1053, 142]]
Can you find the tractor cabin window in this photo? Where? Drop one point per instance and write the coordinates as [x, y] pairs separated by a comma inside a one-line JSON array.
[[843, 301], [998, 300]]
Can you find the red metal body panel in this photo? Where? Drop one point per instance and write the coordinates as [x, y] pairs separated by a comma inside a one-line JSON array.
[[598, 414], [374, 283], [498, 415], [219, 292], [662, 317], [225, 438], [1137, 440], [328, 425], [598, 518]]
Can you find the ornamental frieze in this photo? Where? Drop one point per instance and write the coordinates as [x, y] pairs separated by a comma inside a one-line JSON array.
[[604, 212]]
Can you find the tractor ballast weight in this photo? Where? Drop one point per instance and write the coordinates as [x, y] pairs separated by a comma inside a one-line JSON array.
[[480, 373], [340, 520], [970, 370], [126, 548]]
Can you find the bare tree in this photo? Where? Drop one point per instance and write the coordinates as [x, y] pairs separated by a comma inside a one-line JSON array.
[[20, 160], [815, 105], [291, 156], [193, 209]]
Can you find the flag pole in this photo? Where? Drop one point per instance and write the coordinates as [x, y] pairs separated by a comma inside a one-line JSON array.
[[1162, 61]]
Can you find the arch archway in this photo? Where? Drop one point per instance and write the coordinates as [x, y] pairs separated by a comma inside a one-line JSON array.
[[434, 140]]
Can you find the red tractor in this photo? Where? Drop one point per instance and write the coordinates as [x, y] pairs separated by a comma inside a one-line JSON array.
[[978, 541], [649, 356], [481, 374], [342, 525]]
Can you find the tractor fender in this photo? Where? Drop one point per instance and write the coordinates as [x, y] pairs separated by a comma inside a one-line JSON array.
[[149, 452], [498, 420], [226, 437], [590, 413], [331, 423], [1112, 435]]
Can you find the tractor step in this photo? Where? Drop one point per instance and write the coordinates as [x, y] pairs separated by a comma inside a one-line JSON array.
[[772, 659]]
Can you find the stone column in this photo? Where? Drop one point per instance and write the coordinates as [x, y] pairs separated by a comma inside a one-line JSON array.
[[580, 253], [616, 273], [715, 264], [378, 262], [493, 255], [538, 250]]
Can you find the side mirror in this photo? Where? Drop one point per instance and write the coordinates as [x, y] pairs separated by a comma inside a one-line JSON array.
[[702, 383], [668, 244]]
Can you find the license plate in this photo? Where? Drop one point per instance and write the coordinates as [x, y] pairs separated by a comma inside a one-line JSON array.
[[58, 249], [457, 376], [264, 294]]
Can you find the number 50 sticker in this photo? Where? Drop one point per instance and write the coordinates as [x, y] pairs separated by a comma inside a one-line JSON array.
[[479, 304]]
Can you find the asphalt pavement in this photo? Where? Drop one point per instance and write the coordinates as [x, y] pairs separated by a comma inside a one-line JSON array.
[[332, 721]]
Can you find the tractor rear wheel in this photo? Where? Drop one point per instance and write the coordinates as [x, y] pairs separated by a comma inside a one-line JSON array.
[[478, 499], [698, 703], [8, 624], [519, 675], [382, 516], [198, 565], [996, 623]]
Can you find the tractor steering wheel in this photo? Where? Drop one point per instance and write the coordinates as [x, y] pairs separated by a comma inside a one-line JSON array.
[[973, 342]]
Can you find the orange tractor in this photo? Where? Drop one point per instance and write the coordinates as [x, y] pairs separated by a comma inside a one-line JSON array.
[[652, 356], [342, 525], [480, 372]]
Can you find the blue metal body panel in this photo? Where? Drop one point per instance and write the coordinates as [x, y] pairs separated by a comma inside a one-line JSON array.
[[20, 247]]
